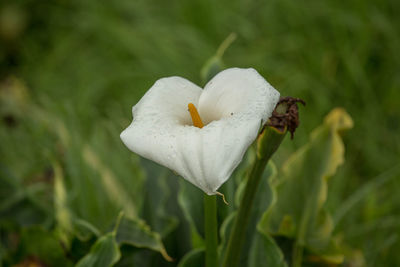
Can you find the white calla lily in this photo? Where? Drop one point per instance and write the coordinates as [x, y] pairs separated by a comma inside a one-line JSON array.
[[233, 106]]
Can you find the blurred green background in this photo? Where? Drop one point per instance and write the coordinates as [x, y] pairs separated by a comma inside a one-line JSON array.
[[70, 71]]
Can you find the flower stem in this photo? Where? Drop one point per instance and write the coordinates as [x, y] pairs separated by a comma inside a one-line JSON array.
[[211, 230], [267, 143]]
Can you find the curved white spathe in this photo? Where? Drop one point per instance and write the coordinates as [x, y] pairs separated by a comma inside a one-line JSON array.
[[233, 106]]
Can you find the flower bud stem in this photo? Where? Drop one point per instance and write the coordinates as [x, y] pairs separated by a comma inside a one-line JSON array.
[[237, 235]]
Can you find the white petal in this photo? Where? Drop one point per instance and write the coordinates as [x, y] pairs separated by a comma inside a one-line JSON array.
[[235, 91], [211, 154], [238, 102], [156, 117], [206, 157]]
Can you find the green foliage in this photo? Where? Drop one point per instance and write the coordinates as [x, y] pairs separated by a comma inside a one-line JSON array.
[[71, 70], [301, 191], [193, 258], [265, 252], [37, 243], [157, 211], [138, 234], [105, 252]]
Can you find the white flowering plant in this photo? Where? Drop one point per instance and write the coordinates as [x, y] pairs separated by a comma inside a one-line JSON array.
[[202, 135], [192, 183]]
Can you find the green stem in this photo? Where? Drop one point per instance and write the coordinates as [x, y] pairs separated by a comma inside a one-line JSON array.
[[237, 235], [267, 143], [211, 230], [297, 255]]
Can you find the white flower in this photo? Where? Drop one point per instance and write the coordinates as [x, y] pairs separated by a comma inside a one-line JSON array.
[[233, 106]]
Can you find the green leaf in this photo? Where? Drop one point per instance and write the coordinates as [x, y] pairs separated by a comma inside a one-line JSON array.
[[84, 230], [193, 258], [364, 191], [160, 204], [43, 245], [136, 257], [137, 233], [302, 189], [264, 252], [224, 233], [21, 204], [105, 252], [98, 184], [111, 184], [62, 212], [190, 200], [68, 225]]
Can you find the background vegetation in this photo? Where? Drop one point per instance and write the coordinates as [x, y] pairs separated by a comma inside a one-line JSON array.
[[70, 72]]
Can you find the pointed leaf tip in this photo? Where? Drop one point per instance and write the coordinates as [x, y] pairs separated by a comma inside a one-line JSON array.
[[339, 120]]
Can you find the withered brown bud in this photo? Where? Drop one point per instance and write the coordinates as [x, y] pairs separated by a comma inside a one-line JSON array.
[[286, 115]]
